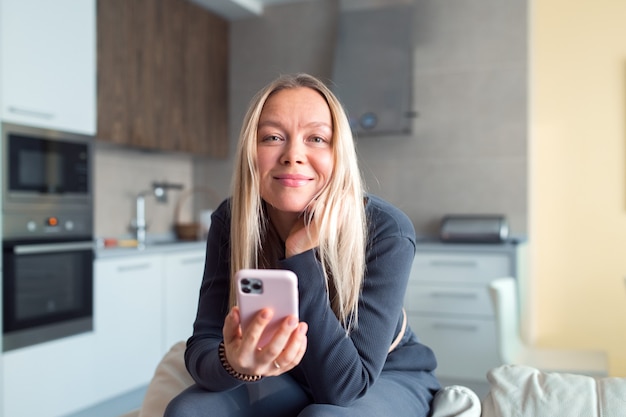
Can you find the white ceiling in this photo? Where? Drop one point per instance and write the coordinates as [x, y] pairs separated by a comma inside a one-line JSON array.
[[239, 9]]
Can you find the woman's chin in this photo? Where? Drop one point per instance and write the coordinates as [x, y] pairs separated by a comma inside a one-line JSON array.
[[287, 208]]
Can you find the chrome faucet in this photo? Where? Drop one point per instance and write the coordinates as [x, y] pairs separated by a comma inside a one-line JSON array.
[[159, 189], [139, 225], [140, 220]]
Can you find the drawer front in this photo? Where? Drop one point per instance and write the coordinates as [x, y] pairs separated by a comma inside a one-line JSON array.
[[427, 298], [465, 268], [464, 348]]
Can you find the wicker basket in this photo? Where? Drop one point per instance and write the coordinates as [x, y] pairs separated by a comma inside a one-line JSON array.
[[193, 230], [187, 231]]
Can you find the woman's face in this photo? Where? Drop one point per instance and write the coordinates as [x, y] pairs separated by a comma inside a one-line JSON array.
[[294, 148]]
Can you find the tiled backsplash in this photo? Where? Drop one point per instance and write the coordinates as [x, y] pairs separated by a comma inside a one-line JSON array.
[[121, 174]]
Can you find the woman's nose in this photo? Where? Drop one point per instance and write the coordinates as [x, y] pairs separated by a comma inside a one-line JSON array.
[[294, 153]]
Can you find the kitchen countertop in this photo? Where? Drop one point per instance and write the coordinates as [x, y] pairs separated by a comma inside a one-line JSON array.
[[150, 248]]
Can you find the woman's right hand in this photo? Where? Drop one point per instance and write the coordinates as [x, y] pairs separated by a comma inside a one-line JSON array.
[[281, 354]]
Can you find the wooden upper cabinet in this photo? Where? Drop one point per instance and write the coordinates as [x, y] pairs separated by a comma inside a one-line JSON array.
[[163, 76]]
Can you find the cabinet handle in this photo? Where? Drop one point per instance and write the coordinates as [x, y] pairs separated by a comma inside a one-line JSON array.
[[33, 113], [188, 261], [127, 268], [455, 295], [455, 326], [454, 263]]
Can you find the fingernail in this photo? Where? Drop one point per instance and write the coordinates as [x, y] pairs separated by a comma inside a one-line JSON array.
[[292, 322], [265, 314]]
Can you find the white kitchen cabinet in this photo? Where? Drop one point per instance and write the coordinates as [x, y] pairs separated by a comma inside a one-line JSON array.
[[48, 64], [182, 276], [50, 379], [127, 322], [144, 302], [449, 308]]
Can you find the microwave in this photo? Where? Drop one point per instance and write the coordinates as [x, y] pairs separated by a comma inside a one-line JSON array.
[[45, 167], [47, 182]]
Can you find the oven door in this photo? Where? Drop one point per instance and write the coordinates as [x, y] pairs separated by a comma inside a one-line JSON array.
[[47, 291]]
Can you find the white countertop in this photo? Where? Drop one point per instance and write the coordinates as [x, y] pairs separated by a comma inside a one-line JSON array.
[[150, 248]]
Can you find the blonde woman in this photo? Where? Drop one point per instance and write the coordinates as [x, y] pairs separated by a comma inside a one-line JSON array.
[[298, 203]]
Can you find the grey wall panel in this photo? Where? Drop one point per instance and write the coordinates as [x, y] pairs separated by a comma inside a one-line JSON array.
[[372, 68]]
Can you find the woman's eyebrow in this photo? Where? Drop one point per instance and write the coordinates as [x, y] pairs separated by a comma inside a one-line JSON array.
[[320, 124]]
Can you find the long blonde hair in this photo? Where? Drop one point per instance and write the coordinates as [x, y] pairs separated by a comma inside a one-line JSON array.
[[339, 208]]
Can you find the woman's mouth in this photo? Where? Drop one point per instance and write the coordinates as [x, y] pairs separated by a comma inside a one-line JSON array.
[[293, 180]]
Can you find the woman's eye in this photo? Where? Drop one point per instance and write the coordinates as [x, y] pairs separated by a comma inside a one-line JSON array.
[[317, 140], [271, 138]]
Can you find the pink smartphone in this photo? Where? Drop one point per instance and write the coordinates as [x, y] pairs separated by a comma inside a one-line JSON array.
[[260, 288]]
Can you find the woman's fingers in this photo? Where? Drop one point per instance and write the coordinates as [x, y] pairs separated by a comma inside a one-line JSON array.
[[241, 346], [281, 354], [291, 355], [257, 325], [280, 337], [232, 329]]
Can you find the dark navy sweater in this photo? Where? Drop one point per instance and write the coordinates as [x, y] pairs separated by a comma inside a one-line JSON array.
[[336, 369]]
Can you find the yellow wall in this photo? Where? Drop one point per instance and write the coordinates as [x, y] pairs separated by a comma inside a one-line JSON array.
[[578, 176]]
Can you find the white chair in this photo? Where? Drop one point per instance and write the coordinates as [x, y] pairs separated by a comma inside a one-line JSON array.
[[513, 350]]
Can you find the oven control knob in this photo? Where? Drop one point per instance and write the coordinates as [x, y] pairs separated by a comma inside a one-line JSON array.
[[31, 226], [69, 225]]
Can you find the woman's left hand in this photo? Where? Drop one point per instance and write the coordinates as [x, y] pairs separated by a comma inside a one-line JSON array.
[[301, 238]]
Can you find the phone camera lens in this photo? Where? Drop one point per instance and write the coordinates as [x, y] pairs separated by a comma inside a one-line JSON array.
[[256, 286], [245, 281]]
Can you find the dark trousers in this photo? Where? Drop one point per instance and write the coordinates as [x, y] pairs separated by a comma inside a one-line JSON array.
[[394, 394]]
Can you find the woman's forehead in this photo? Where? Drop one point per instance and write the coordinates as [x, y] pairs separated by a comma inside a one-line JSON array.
[[300, 102]]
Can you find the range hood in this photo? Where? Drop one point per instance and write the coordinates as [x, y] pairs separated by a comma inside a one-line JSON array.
[[372, 69]]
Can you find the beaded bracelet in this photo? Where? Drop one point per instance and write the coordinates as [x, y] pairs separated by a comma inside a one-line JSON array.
[[231, 371]]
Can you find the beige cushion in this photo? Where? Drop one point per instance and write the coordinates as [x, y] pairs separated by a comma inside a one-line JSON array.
[[170, 379], [520, 391], [455, 401]]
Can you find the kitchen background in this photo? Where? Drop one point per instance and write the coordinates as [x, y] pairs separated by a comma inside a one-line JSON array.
[[521, 108], [505, 125], [521, 112], [467, 150]]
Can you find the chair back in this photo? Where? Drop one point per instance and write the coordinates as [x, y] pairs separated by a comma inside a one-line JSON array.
[[503, 293]]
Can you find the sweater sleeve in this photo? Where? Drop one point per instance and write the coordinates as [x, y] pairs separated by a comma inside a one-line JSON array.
[[339, 368], [201, 355]]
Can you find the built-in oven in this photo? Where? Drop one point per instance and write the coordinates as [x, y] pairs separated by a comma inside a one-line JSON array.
[[47, 235], [48, 291]]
